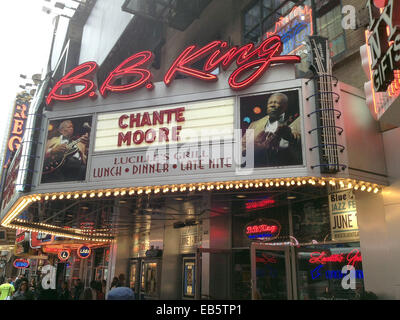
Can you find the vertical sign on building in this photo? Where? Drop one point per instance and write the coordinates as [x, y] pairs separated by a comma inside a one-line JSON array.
[[343, 215], [17, 126]]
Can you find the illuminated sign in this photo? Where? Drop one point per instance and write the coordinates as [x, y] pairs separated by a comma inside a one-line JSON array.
[[251, 61], [161, 127], [258, 204], [157, 126], [343, 215], [384, 41], [9, 188], [333, 274], [138, 120], [63, 255], [83, 252], [294, 29], [263, 230], [266, 259], [17, 127], [352, 258], [381, 57], [21, 263]]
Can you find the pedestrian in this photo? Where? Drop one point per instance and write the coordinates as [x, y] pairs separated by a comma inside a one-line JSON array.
[[121, 293], [78, 289], [19, 280], [64, 293], [104, 286], [121, 279], [114, 283], [7, 290], [99, 291], [91, 292], [33, 288], [23, 292]]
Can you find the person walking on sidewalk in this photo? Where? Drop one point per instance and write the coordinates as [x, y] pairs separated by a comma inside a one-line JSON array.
[[23, 292], [6, 290]]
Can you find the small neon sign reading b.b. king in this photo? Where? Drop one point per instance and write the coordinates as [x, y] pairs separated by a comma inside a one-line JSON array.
[[263, 230]]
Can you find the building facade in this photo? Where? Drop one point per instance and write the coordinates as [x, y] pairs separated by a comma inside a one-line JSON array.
[[224, 150]]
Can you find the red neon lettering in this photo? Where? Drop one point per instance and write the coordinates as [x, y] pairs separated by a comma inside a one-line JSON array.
[[249, 59], [129, 68], [353, 257], [267, 52], [259, 204], [188, 57], [226, 59], [261, 228], [322, 257], [266, 259], [78, 76]]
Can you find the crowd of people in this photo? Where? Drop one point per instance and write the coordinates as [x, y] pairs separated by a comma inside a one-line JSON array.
[[20, 288]]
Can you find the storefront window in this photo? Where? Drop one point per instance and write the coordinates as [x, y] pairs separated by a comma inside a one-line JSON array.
[[307, 232], [311, 220], [321, 275]]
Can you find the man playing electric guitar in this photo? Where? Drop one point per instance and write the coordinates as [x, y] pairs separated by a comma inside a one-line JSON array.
[[65, 159], [277, 141]]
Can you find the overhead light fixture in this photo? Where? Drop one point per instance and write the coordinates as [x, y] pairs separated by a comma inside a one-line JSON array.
[[291, 197], [241, 196]]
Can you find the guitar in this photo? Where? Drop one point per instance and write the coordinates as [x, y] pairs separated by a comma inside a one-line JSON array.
[[57, 161], [272, 139]]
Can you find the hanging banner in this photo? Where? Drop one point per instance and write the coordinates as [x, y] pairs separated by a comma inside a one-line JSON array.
[[343, 215]]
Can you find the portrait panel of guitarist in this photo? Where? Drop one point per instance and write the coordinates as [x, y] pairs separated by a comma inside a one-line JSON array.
[[66, 155], [277, 136]]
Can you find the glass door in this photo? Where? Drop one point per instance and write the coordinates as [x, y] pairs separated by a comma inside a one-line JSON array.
[[271, 274]]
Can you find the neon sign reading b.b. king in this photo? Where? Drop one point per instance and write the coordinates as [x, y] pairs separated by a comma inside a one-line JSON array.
[[252, 62]]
